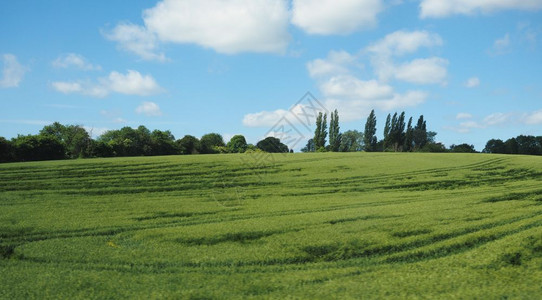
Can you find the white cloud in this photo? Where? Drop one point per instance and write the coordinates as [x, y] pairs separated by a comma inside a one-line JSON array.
[[356, 108], [74, 60], [227, 26], [138, 40], [496, 119], [335, 16], [337, 62], [423, 71], [131, 83], [431, 70], [350, 87], [404, 42], [462, 116], [150, 109], [440, 8], [353, 96], [263, 118], [12, 73], [67, 87], [533, 118], [472, 82]]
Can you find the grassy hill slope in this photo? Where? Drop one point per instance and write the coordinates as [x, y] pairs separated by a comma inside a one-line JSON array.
[[324, 225]]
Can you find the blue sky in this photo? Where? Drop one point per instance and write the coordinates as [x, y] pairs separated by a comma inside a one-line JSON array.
[[472, 68]]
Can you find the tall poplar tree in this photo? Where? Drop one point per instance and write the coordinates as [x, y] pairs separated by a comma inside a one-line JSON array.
[[334, 134], [420, 134], [387, 129], [317, 131], [320, 133], [409, 136], [369, 136]]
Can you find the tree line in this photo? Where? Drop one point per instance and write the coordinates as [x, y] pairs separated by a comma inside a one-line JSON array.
[[405, 136], [57, 141], [399, 136], [522, 144]]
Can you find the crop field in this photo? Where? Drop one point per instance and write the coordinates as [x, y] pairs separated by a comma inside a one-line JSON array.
[[319, 225]]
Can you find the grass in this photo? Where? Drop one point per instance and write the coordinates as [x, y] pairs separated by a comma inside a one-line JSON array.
[[322, 225]]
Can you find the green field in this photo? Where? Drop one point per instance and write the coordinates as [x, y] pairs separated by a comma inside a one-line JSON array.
[[321, 225]]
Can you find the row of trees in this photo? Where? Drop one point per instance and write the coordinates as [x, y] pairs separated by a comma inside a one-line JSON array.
[[398, 136], [523, 144], [57, 141]]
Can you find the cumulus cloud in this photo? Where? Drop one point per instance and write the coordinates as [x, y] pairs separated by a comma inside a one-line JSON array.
[[386, 51], [67, 87], [472, 82], [423, 71], [12, 72], [226, 26], [404, 42], [131, 83], [337, 62], [150, 109], [348, 86], [440, 9], [354, 96], [138, 40], [74, 60], [335, 16], [264, 118]]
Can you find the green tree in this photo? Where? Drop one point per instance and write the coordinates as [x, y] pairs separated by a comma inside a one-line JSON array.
[[397, 132], [334, 134], [38, 147], [272, 145], [528, 145], [6, 150], [128, 141], [433, 147], [387, 128], [310, 147], [352, 140], [420, 134], [141, 142], [237, 144], [511, 146], [189, 145], [163, 143], [462, 148], [320, 133], [409, 136], [102, 149], [318, 130], [369, 136], [494, 146], [75, 138], [210, 143]]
